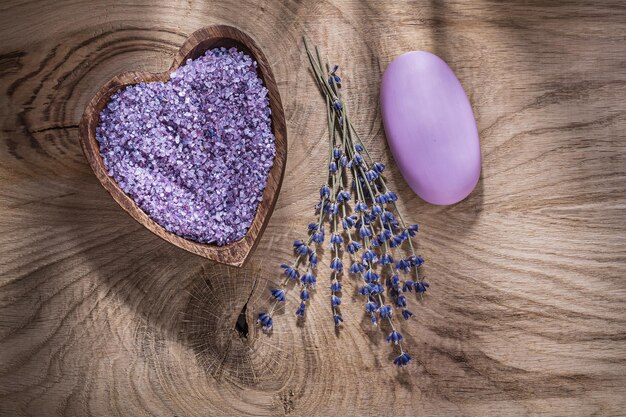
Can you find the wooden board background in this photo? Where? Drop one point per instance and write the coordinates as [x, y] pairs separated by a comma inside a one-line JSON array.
[[527, 310]]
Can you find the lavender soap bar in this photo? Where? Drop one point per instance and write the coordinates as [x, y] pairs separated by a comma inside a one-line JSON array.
[[430, 128]]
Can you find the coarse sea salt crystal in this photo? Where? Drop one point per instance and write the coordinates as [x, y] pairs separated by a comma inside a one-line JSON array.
[[194, 152]]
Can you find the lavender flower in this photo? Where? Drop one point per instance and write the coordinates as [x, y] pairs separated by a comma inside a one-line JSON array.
[[371, 307], [360, 207], [265, 320], [365, 232], [300, 310], [401, 301], [336, 240], [385, 311], [336, 264], [394, 281], [343, 197], [378, 167], [386, 259], [300, 247], [403, 265], [375, 227], [421, 287], [324, 192], [291, 272], [278, 294], [357, 268], [308, 279], [335, 286], [334, 79], [318, 235], [371, 276], [402, 360], [390, 197], [348, 222], [394, 337], [416, 261], [369, 256], [353, 247]]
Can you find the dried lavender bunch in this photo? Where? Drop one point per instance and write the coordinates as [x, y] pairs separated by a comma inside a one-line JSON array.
[[370, 232]]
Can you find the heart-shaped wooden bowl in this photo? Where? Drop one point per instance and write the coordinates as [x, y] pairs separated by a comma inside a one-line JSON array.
[[237, 252]]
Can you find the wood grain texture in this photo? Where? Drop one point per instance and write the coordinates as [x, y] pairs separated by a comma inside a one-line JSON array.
[[236, 253], [526, 313]]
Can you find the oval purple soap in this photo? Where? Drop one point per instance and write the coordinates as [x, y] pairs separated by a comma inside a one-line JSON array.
[[430, 127]]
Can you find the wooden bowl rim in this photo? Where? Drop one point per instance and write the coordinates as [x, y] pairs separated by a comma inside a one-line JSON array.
[[236, 253]]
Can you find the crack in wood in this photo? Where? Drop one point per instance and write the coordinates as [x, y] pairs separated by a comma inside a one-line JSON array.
[[242, 323]]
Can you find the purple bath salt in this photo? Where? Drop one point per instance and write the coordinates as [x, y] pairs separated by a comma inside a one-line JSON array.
[[194, 152]]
